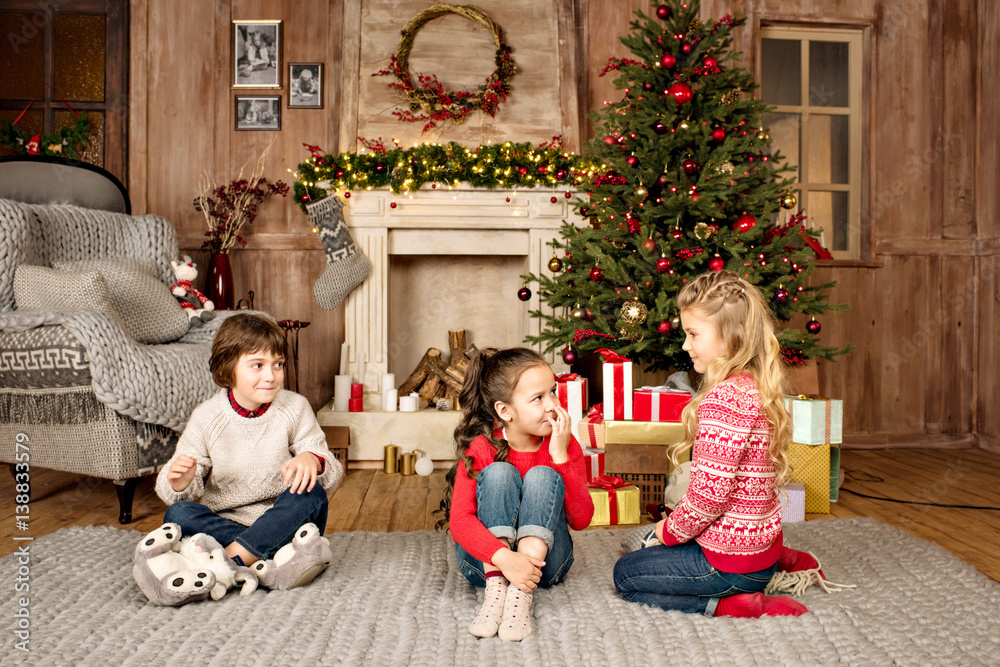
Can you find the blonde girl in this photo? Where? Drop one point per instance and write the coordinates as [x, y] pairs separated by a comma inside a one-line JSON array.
[[519, 485], [717, 551]]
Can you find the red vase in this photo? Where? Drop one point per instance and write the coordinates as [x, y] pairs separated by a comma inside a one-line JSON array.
[[220, 282]]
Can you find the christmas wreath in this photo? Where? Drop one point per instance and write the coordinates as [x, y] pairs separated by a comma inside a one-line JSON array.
[[429, 96], [68, 142]]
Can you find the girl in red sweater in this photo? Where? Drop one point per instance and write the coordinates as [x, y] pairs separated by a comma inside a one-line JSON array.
[[518, 484], [718, 549]]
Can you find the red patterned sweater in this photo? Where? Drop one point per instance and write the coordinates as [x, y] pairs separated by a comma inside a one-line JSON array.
[[469, 531], [731, 508]]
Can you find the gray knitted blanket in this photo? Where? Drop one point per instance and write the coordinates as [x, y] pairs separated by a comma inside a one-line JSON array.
[[399, 599]]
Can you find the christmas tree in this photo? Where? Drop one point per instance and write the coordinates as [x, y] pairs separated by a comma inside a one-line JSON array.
[[687, 184]]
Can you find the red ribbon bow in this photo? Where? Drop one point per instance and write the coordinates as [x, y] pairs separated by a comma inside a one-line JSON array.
[[610, 356], [596, 413], [566, 377], [610, 483]]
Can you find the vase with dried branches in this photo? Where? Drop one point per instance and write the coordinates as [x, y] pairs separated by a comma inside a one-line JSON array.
[[227, 209]]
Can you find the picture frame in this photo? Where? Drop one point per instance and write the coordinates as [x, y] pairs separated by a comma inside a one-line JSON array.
[[257, 54], [258, 112], [305, 85]]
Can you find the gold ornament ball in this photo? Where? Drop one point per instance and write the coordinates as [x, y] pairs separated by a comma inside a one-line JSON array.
[[789, 201], [763, 135], [684, 125], [555, 265], [726, 167], [634, 311], [641, 191], [578, 312], [676, 322]]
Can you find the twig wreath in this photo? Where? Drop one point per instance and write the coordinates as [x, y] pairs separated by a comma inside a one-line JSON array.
[[429, 96]]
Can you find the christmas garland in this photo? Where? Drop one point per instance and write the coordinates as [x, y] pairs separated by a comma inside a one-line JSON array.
[[430, 96], [68, 142], [493, 166]]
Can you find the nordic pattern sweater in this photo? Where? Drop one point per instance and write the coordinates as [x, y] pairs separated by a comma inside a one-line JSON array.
[[730, 508], [239, 459], [466, 528]]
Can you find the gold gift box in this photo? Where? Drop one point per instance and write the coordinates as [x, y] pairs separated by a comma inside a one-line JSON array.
[[642, 433], [811, 466], [628, 506]]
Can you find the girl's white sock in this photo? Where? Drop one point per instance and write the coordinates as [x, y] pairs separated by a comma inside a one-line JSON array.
[[487, 621], [516, 624]]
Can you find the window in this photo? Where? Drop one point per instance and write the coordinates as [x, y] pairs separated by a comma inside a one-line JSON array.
[[71, 54], [813, 78]]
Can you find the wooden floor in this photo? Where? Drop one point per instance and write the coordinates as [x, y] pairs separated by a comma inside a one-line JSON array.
[[373, 501]]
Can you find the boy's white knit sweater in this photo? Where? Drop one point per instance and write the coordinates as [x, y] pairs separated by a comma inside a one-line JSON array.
[[239, 458]]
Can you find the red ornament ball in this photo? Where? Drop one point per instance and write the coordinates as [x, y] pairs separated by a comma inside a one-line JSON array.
[[677, 233], [663, 12], [596, 274], [560, 174], [508, 199], [659, 128], [781, 295], [681, 92], [667, 60], [568, 195], [662, 180], [650, 244], [662, 264], [569, 355], [711, 62], [589, 316], [304, 198], [632, 160], [611, 141], [813, 327], [347, 195], [524, 294], [663, 327], [686, 48], [744, 223], [522, 170], [339, 174], [543, 170], [553, 199], [716, 264], [392, 205], [690, 166], [719, 134], [648, 87]]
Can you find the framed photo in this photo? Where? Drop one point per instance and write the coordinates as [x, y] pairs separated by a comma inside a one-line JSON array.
[[305, 85], [258, 112], [257, 54]]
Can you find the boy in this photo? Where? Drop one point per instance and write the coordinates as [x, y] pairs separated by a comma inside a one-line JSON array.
[[253, 455]]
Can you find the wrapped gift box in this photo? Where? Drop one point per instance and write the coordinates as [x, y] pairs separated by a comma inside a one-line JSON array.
[[834, 473], [593, 462], [591, 428], [643, 433], [658, 404], [622, 458], [572, 391], [816, 420], [617, 388], [793, 503], [811, 466], [615, 506]]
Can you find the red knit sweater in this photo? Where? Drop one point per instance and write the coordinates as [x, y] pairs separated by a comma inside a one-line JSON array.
[[731, 508], [469, 531]]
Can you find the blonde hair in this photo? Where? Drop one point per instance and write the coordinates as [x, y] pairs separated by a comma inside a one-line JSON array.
[[746, 327]]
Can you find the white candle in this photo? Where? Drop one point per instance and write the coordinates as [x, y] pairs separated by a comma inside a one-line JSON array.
[[407, 404], [341, 392], [388, 381], [389, 399], [343, 358]]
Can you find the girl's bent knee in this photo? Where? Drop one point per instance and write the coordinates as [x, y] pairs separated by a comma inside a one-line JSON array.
[[499, 472], [544, 476]]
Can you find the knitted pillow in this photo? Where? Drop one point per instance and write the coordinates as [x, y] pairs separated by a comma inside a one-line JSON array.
[[39, 287], [145, 305]]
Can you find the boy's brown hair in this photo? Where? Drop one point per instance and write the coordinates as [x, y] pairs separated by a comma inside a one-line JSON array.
[[243, 334]]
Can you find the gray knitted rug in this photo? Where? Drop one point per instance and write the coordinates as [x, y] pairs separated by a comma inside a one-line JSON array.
[[398, 599]]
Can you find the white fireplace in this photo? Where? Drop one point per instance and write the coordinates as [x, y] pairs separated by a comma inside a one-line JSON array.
[[442, 258]]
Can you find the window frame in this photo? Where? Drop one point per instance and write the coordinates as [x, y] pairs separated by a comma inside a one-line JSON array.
[[857, 172]]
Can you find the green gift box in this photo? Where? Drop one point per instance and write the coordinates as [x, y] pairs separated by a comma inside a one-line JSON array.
[[816, 420]]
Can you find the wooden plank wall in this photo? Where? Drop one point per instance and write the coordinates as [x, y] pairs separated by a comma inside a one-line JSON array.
[[924, 298]]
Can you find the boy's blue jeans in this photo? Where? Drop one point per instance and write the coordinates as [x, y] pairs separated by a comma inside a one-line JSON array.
[[681, 578], [512, 507], [273, 530]]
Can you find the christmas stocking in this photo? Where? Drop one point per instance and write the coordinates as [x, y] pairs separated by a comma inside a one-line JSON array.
[[346, 266]]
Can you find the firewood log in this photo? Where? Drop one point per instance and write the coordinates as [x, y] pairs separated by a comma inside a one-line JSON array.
[[420, 372]]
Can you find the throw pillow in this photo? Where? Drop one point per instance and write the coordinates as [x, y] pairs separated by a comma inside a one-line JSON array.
[[145, 305], [39, 287]]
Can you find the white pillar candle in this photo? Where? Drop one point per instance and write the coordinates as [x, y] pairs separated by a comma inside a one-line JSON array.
[[389, 399], [407, 403], [341, 392], [343, 359], [388, 381]]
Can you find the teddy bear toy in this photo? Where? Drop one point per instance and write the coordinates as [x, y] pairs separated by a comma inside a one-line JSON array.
[[197, 306], [171, 572], [298, 562]]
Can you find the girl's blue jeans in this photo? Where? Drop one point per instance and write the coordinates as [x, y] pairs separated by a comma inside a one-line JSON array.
[[680, 578], [512, 507], [273, 530]]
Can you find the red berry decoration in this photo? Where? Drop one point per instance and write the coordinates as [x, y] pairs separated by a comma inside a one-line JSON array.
[[663, 12], [813, 327], [659, 128], [596, 274], [569, 355], [781, 295], [667, 60], [744, 223], [522, 170], [716, 264], [681, 92], [690, 166], [524, 294], [719, 134], [662, 264], [710, 62], [663, 327], [632, 160]]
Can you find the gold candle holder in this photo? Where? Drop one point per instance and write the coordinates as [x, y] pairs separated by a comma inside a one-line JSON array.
[[391, 460], [407, 463]]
